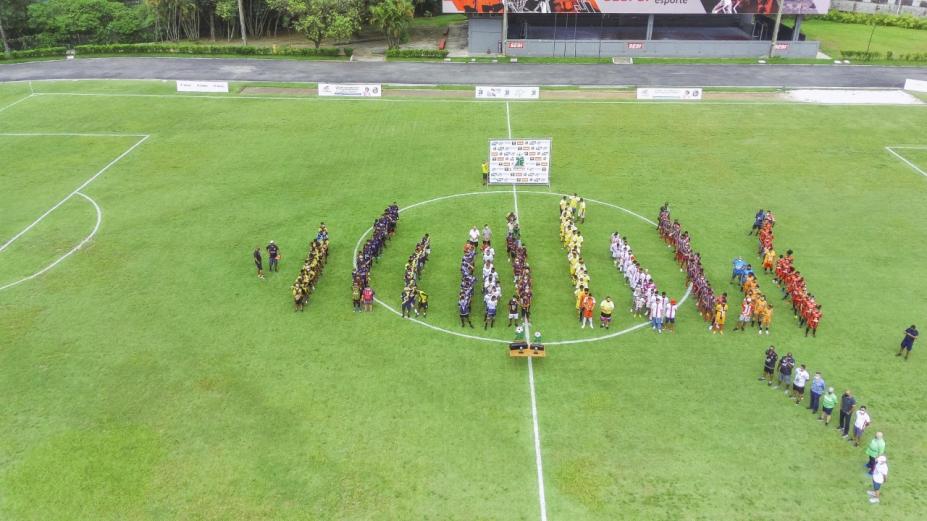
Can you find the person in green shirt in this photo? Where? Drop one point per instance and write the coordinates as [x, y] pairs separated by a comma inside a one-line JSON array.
[[875, 449], [828, 402], [485, 170]]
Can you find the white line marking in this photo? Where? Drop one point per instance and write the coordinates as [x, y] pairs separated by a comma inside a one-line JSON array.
[[537, 441], [451, 100], [899, 156], [17, 102], [69, 134], [68, 254], [72, 194]]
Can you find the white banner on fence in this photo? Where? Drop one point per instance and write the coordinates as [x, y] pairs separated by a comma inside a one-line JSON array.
[[508, 92], [363, 90], [202, 86], [915, 85], [668, 93], [519, 161]]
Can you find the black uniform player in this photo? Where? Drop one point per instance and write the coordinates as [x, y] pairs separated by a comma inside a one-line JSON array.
[[259, 262], [273, 255]]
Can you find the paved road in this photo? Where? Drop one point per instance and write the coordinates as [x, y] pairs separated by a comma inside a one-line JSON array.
[[463, 73]]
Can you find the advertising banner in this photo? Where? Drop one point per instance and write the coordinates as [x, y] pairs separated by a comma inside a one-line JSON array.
[[670, 94], [638, 6], [519, 161], [508, 92], [351, 89], [202, 86]]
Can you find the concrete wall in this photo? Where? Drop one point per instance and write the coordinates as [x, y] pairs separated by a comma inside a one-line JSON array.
[[660, 48], [484, 35], [919, 7]]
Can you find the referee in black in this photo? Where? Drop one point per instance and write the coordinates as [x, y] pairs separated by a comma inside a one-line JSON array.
[[259, 262]]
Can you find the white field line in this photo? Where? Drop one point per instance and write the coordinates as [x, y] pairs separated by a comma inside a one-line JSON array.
[[93, 232], [76, 190], [440, 100], [538, 461], [17, 102], [899, 156]]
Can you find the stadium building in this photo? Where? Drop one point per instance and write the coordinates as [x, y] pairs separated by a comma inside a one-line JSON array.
[[638, 28]]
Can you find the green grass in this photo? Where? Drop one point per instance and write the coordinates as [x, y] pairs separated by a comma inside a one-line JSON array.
[[152, 376], [438, 21], [836, 37]]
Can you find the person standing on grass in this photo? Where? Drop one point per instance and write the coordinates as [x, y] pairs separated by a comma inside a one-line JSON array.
[[847, 405], [606, 308], [817, 389], [828, 402], [670, 315], [474, 237], [273, 255], [879, 476], [769, 365], [422, 304], [785, 372], [758, 222], [875, 449], [464, 307], [907, 344], [487, 237], [484, 168], [798, 384], [859, 426], [367, 295], [581, 211], [513, 311], [588, 308], [259, 262], [408, 301], [356, 296]]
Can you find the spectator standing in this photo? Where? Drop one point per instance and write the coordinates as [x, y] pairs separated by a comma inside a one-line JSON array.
[[879, 476], [875, 449], [847, 405], [798, 384], [907, 344], [828, 402], [817, 389], [769, 365], [859, 426], [786, 363]]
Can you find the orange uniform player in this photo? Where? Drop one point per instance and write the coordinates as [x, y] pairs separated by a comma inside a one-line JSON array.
[[769, 260], [813, 320]]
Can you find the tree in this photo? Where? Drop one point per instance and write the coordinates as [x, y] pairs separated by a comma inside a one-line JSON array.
[[80, 21], [320, 19], [241, 20], [393, 17], [6, 45]]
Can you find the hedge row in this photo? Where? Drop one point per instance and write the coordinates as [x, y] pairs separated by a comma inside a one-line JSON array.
[[906, 21], [870, 56], [416, 53], [166, 48]]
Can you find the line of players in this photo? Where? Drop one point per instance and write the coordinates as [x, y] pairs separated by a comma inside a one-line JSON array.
[[571, 239], [311, 270], [414, 298], [790, 281], [755, 308], [713, 308], [646, 300], [384, 227], [520, 303]]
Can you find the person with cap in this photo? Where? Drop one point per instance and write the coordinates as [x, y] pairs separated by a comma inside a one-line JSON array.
[[859, 426], [273, 255], [907, 343], [828, 402], [879, 476], [847, 405], [817, 389], [786, 363], [875, 449]]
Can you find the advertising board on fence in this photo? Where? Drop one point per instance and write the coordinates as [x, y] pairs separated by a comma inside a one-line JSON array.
[[915, 85], [519, 161], [508, 92], [361, 90], [202, 86], [703, 7], [670, 94]]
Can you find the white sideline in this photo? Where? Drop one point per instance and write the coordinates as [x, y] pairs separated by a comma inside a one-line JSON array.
[[76, 190], [899, 156], [96, 227]]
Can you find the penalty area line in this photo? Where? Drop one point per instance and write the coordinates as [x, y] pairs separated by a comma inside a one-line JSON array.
[[17, 102], [909, 163]]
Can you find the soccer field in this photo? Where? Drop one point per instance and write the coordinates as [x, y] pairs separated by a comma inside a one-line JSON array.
[[151, 375]]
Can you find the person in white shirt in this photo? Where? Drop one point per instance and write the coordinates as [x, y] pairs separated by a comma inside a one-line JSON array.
[[474, 236], [489, 254], [879, 475], [859, 427], [798, 383], [670, 315]]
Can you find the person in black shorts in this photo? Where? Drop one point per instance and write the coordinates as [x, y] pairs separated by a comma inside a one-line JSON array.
[[907, 343], [273, 255], [259, 262], [769, 365]]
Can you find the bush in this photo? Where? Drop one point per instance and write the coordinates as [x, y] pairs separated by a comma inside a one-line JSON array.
[[35, 53], [870, 56], [904, 21], [416, 53], [170, 48]]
